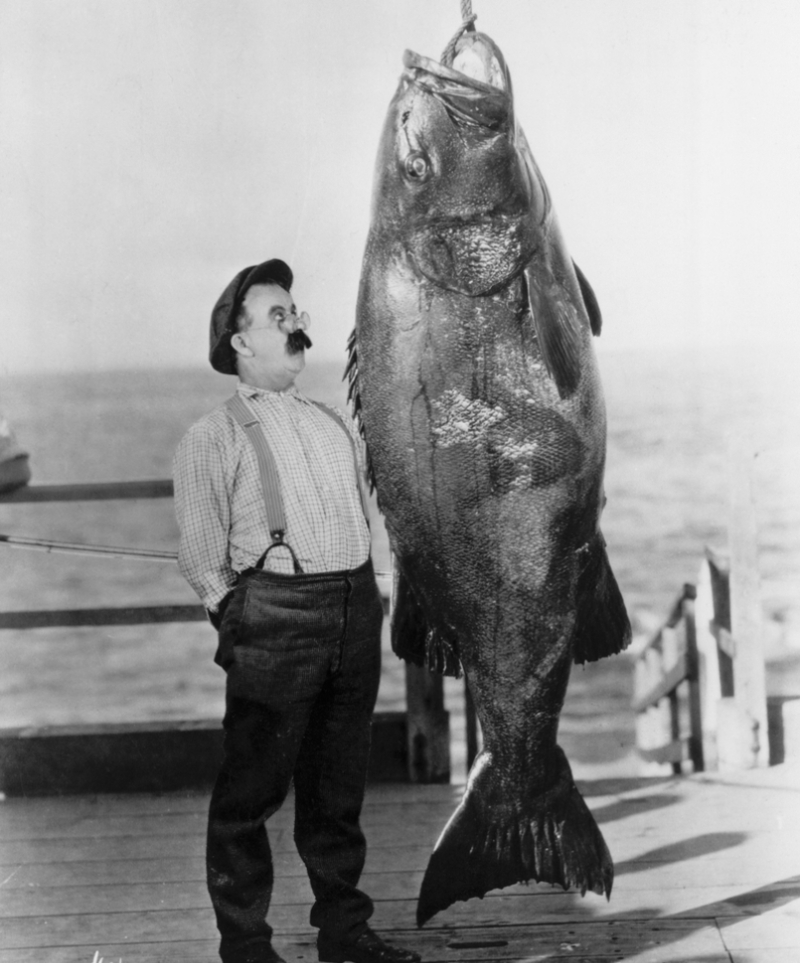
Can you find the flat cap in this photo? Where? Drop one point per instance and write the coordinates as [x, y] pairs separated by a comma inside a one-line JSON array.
[[223, 318]]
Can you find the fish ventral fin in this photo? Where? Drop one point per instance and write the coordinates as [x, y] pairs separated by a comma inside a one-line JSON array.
[[354, 399], [558, 334], [602, 625], [590, 300], [414, 639], [550, 837]]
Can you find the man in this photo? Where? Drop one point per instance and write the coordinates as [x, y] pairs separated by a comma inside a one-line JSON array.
[[274, 540], [14, 468]]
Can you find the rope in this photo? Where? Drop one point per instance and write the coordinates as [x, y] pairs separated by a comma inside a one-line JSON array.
[[468, 19]]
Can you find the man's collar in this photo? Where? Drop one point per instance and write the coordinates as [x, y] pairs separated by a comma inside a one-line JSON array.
[[250, 391]]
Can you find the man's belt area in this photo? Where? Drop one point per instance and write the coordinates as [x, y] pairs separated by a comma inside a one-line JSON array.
[[271, 486]]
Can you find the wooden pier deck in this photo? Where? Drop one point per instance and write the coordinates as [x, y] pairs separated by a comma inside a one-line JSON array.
[[707, 869]]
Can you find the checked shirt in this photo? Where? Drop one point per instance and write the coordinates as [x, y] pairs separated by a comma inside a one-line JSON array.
[[219, 500]]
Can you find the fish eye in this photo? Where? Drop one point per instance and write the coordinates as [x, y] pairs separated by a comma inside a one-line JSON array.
[[418, 167]]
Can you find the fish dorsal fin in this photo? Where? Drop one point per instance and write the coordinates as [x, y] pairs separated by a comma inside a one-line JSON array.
[[558, 334], [354, 399], [590, 300]]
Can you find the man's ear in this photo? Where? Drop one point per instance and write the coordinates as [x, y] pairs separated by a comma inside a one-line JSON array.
[[240, 345]]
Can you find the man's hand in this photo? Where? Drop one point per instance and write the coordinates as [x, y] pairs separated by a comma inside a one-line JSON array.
[[215, 618]]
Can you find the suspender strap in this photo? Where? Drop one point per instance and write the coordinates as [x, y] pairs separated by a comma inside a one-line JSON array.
[[270, 481], [361, 489], [276, 520]]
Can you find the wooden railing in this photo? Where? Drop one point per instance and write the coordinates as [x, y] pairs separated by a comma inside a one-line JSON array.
[[701, 680], [426, 721], [667, 692]]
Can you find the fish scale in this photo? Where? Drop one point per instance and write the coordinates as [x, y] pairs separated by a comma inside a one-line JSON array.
[[474, 378]]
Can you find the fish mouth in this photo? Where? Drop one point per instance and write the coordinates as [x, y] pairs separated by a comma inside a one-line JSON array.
[[470, 102], [418, 62]]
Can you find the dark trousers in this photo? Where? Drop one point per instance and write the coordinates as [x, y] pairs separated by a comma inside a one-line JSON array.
[[302, 654]]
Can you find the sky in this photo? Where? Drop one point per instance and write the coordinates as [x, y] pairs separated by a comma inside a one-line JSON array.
[[150, 150]]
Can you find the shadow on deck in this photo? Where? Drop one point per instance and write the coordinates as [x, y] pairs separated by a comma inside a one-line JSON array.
[[708, 869]]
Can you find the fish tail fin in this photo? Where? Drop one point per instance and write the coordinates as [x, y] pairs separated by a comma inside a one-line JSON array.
[[551, 838], [602, 626]]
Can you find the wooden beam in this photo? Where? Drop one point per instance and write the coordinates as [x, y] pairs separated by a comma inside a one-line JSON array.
[[428, 726], [749, 677], [675, 752], [719, 569], [693, 678], [95, 491], [149, 757], [665, 686], [128, 615]]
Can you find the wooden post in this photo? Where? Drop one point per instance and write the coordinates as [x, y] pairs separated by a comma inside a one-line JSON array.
[[428, 726], [693, 661], [749, 681], [427, 720], [470, 725], [707, 664], [719, 572]]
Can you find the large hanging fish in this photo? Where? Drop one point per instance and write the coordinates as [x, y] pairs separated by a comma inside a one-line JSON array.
[[473, 372]]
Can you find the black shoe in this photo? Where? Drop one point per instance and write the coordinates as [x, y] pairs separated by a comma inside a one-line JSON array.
[[368, 947]]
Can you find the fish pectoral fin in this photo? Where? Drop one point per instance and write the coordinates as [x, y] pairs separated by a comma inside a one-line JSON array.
[[492, 841], [558, 333], [602, 625], [414, 639], [590, 300]]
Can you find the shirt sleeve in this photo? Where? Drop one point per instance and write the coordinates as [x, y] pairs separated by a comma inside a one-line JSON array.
[[202, 508]]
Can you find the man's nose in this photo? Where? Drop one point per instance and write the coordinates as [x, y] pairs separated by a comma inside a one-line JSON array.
[[301, 321]]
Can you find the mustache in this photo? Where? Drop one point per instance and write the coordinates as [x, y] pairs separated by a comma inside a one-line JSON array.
[[297, 341]]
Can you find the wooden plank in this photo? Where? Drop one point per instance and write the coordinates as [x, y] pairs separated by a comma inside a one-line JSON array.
[[722, 858], [48, 817], [672, 678], [778, 929], [770, 955], [726, 643], [657, 807], [690, 852], [192, 923], [470, 725], [675, 614], [719, 570], [674, 752], [128, 615], [95, 491], [98, 892], [693, 677], [139, 757], [749, 678], [664, 941], [428, 735]]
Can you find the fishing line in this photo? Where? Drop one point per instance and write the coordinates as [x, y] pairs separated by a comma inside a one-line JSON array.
[[107, 551], [74, 548]]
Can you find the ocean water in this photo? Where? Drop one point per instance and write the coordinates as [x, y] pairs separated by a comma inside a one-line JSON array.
[[671, 416]]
